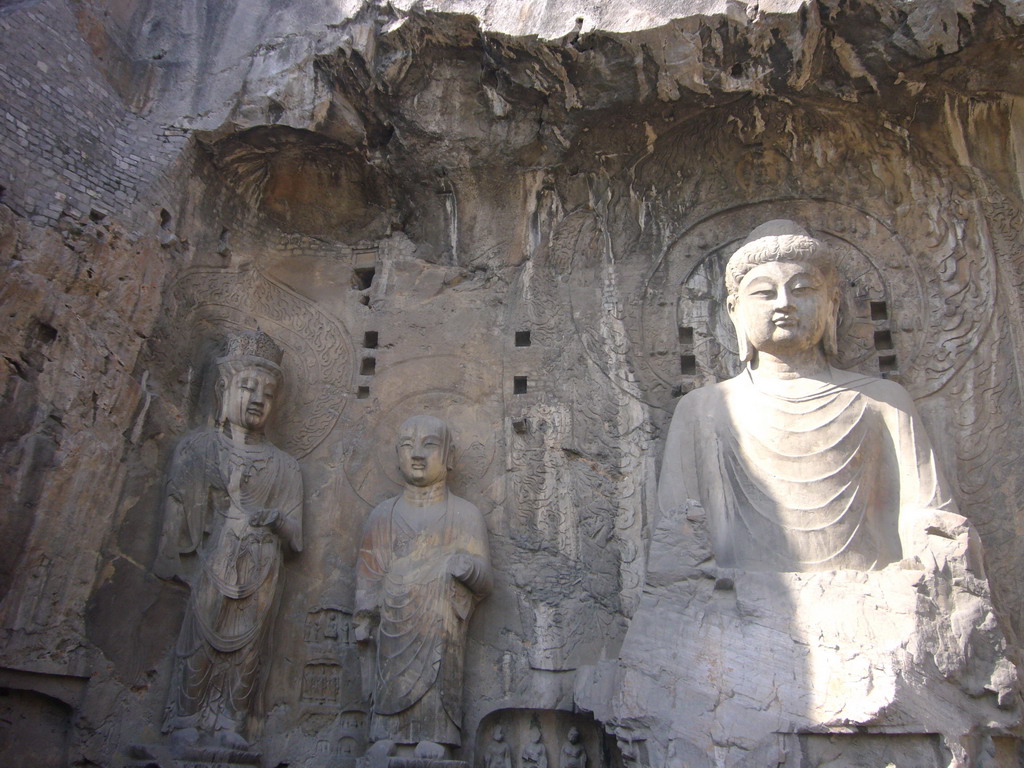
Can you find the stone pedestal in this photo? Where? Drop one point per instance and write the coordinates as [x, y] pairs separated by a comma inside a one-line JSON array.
[[727, 669], [189, 757], [423, 762]]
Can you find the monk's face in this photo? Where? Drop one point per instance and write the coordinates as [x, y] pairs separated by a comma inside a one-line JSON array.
[[249, 396], [421, 452], [783, 306]]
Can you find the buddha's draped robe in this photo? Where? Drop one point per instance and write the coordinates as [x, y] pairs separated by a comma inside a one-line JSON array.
[[212, 489], [424, 614], [800, 484]]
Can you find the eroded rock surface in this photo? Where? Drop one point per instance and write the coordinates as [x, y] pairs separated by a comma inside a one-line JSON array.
[[510, 215]]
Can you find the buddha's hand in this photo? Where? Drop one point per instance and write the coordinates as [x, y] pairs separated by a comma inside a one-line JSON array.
[[461, 566], [265, 517], [365, 623], [939, 537]]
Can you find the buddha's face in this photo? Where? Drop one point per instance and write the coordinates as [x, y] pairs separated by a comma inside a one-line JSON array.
[[248, 396], [783, 306], [421, 451]]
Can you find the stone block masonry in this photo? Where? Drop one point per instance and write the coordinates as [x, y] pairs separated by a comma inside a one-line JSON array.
[[67, 142]]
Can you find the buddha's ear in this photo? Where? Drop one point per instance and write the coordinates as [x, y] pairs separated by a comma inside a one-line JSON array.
[[830, 340], [219, 388], [743, 346]]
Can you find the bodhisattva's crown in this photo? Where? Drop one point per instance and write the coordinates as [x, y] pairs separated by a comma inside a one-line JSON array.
[[253, 344]]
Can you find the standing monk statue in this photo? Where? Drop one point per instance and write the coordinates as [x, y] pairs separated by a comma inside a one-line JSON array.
[[423, 566], [233, 503], [800, 466]]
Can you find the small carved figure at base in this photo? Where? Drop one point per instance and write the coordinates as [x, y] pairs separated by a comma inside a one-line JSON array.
[[498, 755], [534, 754], [574, 754]]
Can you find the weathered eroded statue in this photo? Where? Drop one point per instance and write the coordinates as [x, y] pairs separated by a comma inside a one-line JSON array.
[[423, 565], [498, 754], [233, 503], [574, 754], [534, 754], [800, 466]]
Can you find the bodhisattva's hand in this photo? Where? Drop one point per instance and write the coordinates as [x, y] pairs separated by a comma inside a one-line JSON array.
[[365, 623], [460, 566], [266, 517]]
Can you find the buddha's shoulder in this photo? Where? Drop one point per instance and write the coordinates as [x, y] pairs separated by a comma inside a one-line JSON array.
[[382, 510], [289, 461], [463, 507], [701, 400], [879, 389]]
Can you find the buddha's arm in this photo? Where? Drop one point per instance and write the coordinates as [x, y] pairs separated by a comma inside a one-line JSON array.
[[370, 570], [184, 490], [289, 525], [930, 526], [283, 515], [471, 564]]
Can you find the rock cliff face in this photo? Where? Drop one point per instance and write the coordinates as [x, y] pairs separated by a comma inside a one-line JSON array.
[[510, 214]]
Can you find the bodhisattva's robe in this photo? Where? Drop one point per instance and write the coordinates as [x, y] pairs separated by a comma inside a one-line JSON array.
[[233, 569], [802, 484], [403, 575]]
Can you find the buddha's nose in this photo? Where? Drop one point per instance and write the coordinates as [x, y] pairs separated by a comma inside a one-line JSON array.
[[783, 300]]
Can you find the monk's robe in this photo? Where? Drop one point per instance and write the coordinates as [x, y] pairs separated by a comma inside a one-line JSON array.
[[403, 576]]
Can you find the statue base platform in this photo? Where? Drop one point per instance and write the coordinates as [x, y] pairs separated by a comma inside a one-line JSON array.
[[174, 756], [737, 669], [424, 762]]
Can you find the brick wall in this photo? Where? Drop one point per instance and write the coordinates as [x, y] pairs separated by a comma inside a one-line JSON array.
[[67, 142]]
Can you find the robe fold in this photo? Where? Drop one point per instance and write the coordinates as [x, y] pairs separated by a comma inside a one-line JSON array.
[[801, 484]]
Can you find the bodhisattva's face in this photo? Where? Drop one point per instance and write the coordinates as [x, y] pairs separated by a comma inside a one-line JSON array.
[[421, 453], [249, 397], [783, 307]]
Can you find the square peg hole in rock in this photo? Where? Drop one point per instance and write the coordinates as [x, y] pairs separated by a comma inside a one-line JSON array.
[[519, 385], [362, 393], [362, 278], [370, 340], [523, 338], [368, 367], [685, 335], [688, 365], [879, 311]]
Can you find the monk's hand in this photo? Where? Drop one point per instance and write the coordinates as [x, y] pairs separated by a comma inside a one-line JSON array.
[[267, 517], [460, 566]]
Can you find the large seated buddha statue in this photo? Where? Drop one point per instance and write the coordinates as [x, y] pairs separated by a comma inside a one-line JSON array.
[[798, 465], [813, 597]]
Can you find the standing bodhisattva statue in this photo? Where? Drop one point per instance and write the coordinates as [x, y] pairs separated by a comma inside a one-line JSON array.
[[423, 566], [800, 466], [233, 503]]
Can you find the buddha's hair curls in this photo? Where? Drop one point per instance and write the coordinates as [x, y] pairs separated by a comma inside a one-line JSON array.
[[778, 240]]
